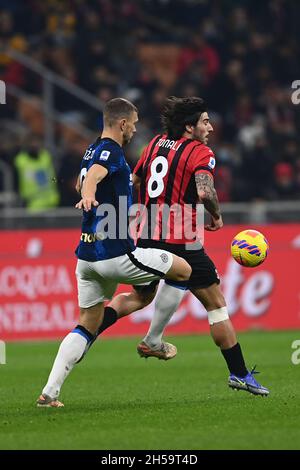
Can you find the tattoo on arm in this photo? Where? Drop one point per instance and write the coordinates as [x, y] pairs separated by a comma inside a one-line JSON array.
[[207, 194]]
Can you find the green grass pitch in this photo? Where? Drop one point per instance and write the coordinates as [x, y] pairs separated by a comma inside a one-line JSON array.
[[116, 400]]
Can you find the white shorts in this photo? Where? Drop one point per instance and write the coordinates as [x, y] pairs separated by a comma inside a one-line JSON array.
[[98, 280]]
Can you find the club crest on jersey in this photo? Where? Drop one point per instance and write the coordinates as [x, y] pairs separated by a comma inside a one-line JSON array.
[[212, 162], [164, 257], [104, 155]]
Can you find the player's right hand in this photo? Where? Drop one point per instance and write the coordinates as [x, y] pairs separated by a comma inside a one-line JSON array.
[[87, 203]]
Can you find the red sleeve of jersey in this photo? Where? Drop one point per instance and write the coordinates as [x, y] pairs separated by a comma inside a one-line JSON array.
[[203, 160]]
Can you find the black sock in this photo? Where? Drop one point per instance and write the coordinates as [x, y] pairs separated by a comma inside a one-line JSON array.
[[235, 360], [110, 317]]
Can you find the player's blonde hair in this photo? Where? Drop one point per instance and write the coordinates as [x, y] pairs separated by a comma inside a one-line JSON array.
[[116, 109]]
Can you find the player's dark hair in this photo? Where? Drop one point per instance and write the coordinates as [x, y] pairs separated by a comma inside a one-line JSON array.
[[116, 109], [179, 112]]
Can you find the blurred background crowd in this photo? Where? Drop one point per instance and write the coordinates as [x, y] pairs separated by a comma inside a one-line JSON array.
[[241, 56]]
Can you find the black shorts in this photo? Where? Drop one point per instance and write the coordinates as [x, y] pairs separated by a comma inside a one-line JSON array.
[[146, 289], [204, 272]]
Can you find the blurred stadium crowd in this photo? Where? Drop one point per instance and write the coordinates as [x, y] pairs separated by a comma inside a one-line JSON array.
[[241, 56]]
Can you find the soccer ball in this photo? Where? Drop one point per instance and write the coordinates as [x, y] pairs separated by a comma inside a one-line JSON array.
[[249, 248]]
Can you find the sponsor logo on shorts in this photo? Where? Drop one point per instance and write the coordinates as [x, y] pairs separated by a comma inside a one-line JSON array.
[[164, 257]]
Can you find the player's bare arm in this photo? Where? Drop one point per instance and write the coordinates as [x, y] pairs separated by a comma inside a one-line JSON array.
[[88, 191], [136, 181], [208, 196]]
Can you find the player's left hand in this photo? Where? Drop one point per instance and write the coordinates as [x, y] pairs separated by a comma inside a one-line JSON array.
[[215, 224], [87, 203]]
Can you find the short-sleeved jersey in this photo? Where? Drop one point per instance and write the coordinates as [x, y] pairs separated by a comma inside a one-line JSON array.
[[167, 169], [99, 240]]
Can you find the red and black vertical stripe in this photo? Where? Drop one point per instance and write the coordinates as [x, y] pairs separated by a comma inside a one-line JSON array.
[[152, 203], [177, 173]]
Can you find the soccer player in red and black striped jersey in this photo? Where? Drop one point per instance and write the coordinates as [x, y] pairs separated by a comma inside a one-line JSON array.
[[177, 170], [175, 173], [166, 175]]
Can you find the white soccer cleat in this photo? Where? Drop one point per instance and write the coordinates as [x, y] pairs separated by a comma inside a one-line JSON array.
[[44, 401], [165, 352]]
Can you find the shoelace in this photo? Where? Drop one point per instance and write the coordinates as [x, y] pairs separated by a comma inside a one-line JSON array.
[[253, 371]]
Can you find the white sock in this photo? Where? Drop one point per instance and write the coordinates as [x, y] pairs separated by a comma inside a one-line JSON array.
[[166, 303], [70, 351]]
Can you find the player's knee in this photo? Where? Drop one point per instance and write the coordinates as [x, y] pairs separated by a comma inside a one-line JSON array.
[[214, 300], [216, 304], [217, 315], [180, 270], [185, 271]]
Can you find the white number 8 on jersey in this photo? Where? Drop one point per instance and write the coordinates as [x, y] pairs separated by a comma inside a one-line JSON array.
[[156, 184]]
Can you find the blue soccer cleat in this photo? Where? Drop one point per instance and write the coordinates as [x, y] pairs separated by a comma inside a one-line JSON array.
[[248, 383]]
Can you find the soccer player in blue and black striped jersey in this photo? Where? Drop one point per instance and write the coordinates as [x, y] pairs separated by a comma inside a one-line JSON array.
[[108, 257], [106, 156]]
